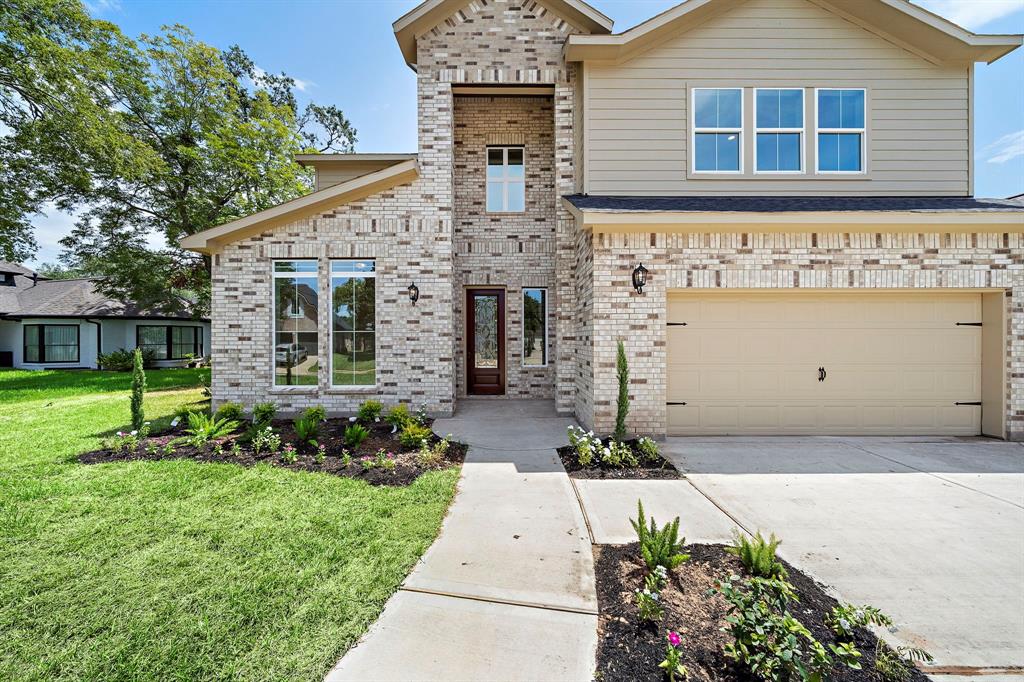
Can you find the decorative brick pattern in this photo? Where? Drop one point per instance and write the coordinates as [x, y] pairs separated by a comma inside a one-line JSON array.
[[761, 261]]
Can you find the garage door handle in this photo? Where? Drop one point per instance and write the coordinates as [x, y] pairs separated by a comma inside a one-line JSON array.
[[970, 403]]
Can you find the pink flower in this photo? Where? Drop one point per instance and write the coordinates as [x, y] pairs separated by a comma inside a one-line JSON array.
[[674, 639]]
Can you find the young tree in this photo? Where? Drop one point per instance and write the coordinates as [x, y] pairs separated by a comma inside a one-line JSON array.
[[622, 404], [138, 391]]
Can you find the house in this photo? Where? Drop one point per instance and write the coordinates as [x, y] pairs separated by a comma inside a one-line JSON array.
[[67, 323], [795, 178]]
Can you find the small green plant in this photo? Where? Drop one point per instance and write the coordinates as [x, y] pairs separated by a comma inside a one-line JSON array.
[[265, 440], [648, 600], [398, 416], [346, 458], [202, 428], [758, 555], [263, 413], [622, 402], [321, 454], [127, 442], [230, 411], [138, 391], [369, 411], [648, 449], [673, 663], [307, 430], [368, 462], [659, 547], [421, 415], [898, 665], [168, 449], [845, 618], [152, 449], [386, 460], [432, 456], [355, 434], [236, 449], [289, 455], [413, 434], [218, 450], [585, 444], [619, 455], [316, 413]]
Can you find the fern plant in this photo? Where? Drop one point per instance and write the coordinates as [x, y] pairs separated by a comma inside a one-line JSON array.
[[847, 617], [307, 430], [758, 555], [202, 428], [355, 434], [897, 666], [659, 547]]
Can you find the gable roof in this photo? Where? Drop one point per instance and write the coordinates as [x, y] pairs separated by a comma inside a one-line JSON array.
[[66, 298], [425, 16], [363, 186], [928, 35]]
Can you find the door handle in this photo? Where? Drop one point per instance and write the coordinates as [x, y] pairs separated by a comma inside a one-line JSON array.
[[822, 374]]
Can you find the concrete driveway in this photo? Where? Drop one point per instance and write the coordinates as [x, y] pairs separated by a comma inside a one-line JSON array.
[[931, 531]]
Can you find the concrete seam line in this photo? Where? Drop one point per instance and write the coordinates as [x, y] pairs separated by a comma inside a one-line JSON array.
[[971, 671], [718, 506], [506, 602], [583, 510], [934, 475]]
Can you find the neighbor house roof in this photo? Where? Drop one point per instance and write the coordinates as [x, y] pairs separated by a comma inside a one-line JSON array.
[[363, 186], [425, 16], [898, 21]]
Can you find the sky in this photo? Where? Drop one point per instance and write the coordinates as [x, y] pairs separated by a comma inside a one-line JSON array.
[[343, 52]]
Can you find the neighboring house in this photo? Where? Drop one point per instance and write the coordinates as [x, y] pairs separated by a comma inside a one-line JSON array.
[[795, 177], [66, 323]]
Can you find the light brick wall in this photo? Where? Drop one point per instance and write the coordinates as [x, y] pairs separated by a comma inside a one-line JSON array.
[[740, 261]]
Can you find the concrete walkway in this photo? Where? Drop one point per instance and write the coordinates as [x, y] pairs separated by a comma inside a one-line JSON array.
[[507, 590]]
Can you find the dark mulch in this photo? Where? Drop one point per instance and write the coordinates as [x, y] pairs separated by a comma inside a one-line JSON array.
[[407, 468], [648, 469], [629, 650]]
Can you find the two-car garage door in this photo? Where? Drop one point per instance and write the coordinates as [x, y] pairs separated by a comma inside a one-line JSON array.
[[824, 363]]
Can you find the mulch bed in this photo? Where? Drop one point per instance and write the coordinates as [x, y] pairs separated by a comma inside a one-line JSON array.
[[407, 468], [658, 469], [631, 650]]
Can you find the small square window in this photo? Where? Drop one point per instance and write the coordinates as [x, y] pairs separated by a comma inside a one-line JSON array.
[[506, 180]]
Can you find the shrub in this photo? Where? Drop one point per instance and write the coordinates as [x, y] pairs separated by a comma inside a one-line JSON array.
[[622, 404], [307, 429], [413, 434], [385, 460], [123, 360], [138, 390], [398, 416], [263, 413], [758, 555], [316, 413], [432, 456], [369, 411], [231, 412], [898, 665], [619, 455], [355, 434], [648, 449], [846, 617], [673, 663], [265, 440], [767, 638], [658, 547], [585, 444], [203, 428]]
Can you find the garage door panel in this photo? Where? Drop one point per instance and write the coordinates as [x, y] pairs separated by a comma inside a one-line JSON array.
[[896, 362]]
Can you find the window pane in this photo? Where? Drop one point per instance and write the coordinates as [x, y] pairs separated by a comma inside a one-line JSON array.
[[789, 151], [768, 109], [485, 332], [32, 344], [728, 151], [364, 299], [767, 152], [705, 159], [353, 308], [363, 359], [515, 156], [516, 196], [182, 342], [852, 109], [828, 109], [295, 266], [295, 330], [705, 108], [353, 266], [791, 109], [729, 108], [495, 156], [61, 343], [828, 151], [495, 196], [535, 331], [849, 152]]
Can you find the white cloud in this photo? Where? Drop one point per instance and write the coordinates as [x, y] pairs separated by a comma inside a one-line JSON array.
[[300, 84], [1007, 147], [972, 14], [103, 6]]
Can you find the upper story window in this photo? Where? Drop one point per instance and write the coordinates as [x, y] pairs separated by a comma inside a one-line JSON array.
[[841, 132], [296, 328], [779, 124], [353, 323], [717, 130], [506, 180]]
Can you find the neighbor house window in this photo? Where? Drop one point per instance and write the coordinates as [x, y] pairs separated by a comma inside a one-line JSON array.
[[779, 129], [168, 342], [295, 322], [506, 180], [841, 132], [353, 323], [717, 130], [51, 343], [535, 327]]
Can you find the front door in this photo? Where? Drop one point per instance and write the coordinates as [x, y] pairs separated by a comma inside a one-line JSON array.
[[485, 342]]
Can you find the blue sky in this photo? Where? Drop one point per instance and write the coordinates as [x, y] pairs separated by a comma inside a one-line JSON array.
[[343, 52]]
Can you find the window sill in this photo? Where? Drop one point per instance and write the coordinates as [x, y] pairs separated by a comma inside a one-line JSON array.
[[294, 389], [359, 390], [774, 175]]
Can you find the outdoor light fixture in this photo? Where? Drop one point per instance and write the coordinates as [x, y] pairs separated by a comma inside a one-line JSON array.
[[414, 293], [639, 278]]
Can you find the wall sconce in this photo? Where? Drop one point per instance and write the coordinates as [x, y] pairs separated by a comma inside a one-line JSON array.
[[639, 278], [414, 293]]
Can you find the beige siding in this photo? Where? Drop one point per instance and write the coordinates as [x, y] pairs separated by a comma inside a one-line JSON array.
[[330, 174], [918, 113]]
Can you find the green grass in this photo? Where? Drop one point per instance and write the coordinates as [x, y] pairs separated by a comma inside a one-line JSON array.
[[179, 570]]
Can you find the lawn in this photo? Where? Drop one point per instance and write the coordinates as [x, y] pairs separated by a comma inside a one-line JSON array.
[[178, 569]]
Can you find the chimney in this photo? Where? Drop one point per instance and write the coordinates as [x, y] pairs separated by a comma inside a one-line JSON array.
[[35, 277]]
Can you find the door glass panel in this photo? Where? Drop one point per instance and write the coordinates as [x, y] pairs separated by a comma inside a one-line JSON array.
[[485, 331]]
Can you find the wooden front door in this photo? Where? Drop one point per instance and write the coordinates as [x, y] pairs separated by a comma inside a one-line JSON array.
[[485, 342]]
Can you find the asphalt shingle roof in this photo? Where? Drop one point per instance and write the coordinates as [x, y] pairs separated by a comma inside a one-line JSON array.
[[792, 204]]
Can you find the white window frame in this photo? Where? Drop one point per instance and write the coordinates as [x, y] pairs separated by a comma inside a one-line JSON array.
[[863, 136], [505, 180], [801, 131], [330, 285], [694, 130], [275, 275], [547, 359]]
